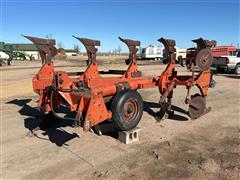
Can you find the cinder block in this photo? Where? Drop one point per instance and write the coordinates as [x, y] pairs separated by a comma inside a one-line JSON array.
[[130, 136]]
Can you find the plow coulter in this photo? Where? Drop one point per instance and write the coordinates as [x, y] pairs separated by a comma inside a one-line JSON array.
[[95, 98]]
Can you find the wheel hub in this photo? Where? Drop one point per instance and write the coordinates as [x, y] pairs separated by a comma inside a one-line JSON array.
[[238, 70], [204, 59], [131, 110]]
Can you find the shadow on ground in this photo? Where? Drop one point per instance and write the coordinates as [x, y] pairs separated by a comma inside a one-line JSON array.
[[227, 74], [107, 128], [55, 133], [233, 76], [149, 106]]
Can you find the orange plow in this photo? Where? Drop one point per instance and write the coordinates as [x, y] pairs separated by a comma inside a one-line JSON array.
[[95, 98]]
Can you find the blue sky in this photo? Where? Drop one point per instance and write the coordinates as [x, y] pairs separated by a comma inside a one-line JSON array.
[[182, 20]]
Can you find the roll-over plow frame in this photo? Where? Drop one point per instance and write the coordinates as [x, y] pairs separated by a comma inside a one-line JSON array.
[[96, 99]]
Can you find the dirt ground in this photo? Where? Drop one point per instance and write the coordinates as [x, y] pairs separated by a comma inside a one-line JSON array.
[[176, 148]]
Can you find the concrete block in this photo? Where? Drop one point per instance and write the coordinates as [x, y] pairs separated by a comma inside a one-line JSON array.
[[130, 136]]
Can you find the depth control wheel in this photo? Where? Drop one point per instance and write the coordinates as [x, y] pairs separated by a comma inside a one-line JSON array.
[[204, 59], [127, 109], [197, 106]]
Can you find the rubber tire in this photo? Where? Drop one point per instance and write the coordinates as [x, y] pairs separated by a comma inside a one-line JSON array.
[[179, 59], [9, 63], [212, 83], [117, 109], [236, 69]]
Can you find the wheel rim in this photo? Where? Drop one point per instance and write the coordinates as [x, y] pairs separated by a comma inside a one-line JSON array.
[[238, 70], [131, 110], [204, 59]]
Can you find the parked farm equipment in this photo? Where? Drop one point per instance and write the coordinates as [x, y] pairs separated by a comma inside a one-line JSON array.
[[95, 98], [17, 55], [8, 60]]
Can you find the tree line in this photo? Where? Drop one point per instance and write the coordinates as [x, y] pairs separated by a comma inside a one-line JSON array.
[[115, 51]]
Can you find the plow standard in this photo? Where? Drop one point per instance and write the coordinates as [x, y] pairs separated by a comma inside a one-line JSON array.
[[95, 98]]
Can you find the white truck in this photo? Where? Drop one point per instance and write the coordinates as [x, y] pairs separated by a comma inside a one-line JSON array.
[[181, 53], [151, 52], [227, 63]]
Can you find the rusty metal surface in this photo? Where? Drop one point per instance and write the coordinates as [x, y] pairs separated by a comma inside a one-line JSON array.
[[201, 56], [168, 44], [90, 47], [132, 61], [203, 43], [169, 49], [132, 44], [197, 106], [204, 59], [46, 48], [130, 110], [212, 43]]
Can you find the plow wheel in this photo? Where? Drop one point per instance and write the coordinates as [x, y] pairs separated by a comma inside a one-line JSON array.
[[204, 59], [127, 109], [197, 106]]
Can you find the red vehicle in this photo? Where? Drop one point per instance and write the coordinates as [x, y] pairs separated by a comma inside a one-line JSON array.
[[223, 51], [226, 58]]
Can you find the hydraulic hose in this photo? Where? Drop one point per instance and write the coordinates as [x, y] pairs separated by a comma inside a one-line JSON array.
[[52, 89]]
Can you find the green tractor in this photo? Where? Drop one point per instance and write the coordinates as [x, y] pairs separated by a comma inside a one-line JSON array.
[[18, 55]]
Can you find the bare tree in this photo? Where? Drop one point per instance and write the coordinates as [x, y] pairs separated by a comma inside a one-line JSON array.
[[115, 51], [119, 50], [76, 47]]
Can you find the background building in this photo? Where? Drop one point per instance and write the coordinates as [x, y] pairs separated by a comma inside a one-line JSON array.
[[25, 51]]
